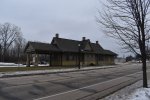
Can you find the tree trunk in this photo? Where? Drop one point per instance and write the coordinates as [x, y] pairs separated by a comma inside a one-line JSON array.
[[144, 71], [4, 55]]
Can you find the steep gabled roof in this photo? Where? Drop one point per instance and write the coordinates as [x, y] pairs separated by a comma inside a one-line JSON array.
[[66, 45], [97, 48], [84, 44], [41, 47], [108, 52]]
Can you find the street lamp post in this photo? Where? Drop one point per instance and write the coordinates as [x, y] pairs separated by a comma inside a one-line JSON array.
[[79, 46]]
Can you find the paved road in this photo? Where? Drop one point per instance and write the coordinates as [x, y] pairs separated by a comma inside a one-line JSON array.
[[39, 86]]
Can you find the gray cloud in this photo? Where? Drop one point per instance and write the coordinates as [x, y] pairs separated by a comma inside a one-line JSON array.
[[41, 19]]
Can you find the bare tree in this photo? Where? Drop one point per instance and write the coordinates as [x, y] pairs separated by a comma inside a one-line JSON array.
[[128, 22], [19, 44], [8, 34]]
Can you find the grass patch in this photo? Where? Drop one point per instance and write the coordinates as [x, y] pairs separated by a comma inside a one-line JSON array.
[[13, 69]]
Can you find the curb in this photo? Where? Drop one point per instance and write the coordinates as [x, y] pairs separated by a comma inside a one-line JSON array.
[[55, 72]]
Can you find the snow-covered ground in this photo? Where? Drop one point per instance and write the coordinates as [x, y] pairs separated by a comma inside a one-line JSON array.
[[3, 74], [2, 64], [132, 92]]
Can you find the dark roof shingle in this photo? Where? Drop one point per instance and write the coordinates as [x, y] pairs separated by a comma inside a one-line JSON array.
[[44, 47], [67, 45]]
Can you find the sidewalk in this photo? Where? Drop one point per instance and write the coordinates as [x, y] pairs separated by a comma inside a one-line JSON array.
[[52, 71]]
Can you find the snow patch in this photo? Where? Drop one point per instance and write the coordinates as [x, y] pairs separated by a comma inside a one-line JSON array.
[[132, 92], [3, 74], [140, 94], [2, 64]]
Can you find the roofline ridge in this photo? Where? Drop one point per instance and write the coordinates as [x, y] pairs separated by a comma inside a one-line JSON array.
[[38, 42], [68, 39], [76, 40]]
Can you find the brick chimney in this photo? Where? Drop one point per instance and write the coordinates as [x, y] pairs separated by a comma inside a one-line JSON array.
[[83, 38], [97, 42], [57, 35]]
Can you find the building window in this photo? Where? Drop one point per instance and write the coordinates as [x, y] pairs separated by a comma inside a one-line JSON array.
[[71, 57], [87, 55], [67, 57], [101, 58]]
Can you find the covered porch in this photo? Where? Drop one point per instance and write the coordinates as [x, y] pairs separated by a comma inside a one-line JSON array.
[[34, 50]]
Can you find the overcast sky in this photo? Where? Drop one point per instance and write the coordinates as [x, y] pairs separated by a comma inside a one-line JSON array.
[[39, 20]]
